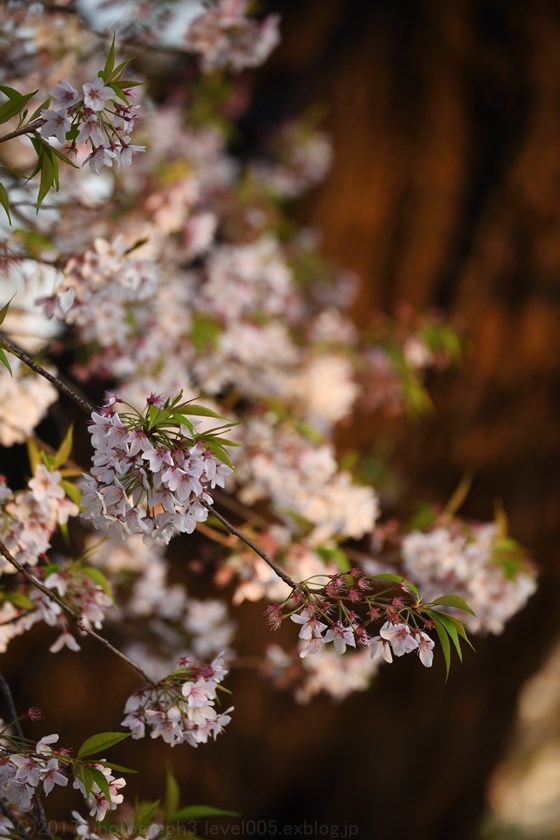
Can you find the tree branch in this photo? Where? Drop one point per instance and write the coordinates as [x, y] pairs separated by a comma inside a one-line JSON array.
[[233, 530], [30, 128], [72, 614], [57, 381]]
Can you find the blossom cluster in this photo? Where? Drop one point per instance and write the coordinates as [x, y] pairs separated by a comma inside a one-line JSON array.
[[98, 116], [181, 708], [224, 36], [29, 770], [341, 609], [28, 518], [24, 775], [97, 289], [492, 574], [147, 478]]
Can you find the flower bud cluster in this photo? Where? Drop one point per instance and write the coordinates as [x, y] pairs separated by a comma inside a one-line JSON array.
[[97, 116], [343, 609], [151, 473], [181, 708]]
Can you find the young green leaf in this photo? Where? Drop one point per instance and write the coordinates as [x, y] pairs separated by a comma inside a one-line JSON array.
[[389, 577], [119, 768], [18, 599], [453, 601], [98, 578], [15, 104], [47, 178], [64, 450], [219, 452], [4, 361], [444, 641], [101, 781], [110, 61], [451, 631], [5, 202], [72, 491], [198, 812], [144, 813], [100, 742], [4, 310], [172, 794]]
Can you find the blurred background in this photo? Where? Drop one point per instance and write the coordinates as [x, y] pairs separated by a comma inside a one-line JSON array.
[[444, 192]]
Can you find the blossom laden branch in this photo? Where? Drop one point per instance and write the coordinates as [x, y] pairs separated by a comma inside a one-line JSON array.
[[84, 628]]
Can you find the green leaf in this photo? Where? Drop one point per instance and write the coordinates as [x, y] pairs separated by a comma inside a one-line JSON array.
[[101, 781], [119, 768], [219, 452], [458, 626], [193, 410], [15, 104], [18, 599], [98, 578], [198, 812], [451, 631], [453, 601], [84, 773], [4, 361], [172, 794], [65, 448], [100, 742], [153, 416], [72, 491], [37, 112], [110, 61], [61, 156], [444, 641], [118, 92], [388, 577], [47, 178], [5, 202], [459, 495], [4, 310], [118, 71], [144, 813], [335, 555]]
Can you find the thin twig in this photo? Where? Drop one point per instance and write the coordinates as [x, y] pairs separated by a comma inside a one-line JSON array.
[[16, 723], [57, 381], [25, 129], [233, 530], [72, 614]]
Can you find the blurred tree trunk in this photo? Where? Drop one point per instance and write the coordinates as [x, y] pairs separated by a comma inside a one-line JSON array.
[[445, 119]]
